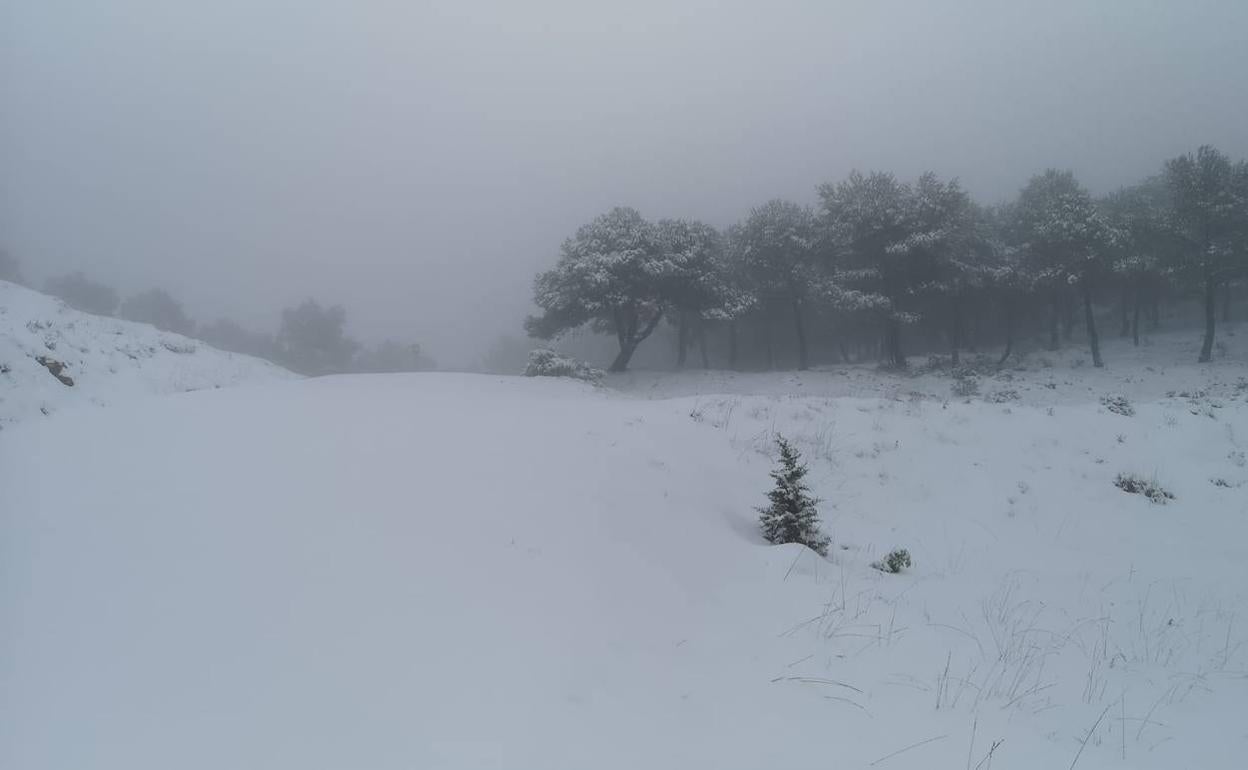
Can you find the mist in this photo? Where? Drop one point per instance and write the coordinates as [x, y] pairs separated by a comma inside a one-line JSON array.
[[418, 163]]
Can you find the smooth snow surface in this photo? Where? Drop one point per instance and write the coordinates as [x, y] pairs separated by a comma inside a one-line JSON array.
[[107, 359], [457, 571]]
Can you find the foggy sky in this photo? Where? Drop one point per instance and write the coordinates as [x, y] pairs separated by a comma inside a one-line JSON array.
[[417, 162]]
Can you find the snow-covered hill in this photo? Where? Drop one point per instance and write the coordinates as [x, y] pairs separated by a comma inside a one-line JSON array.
[[53, 357], [455, 571]]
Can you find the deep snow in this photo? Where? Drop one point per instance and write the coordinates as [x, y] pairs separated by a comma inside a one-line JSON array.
[[107, 359], [457, 571]]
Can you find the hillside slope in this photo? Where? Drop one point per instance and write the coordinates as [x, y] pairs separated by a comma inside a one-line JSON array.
[[454, 571], [53, 357]]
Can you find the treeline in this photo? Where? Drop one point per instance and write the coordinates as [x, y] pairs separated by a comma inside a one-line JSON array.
[[311, 338], [881, 269]]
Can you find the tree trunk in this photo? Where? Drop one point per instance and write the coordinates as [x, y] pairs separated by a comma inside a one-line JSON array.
[[621, 360], [732, 344], [892, 343], [956, 337], [1090, 320], [1226, 302], [682, 339], [840, 345], [701, 331], [802, 361], [771, 348], [1154, 309], [1206, 347], [1068, 319], [1135, 317], [1054, 314], [1126, 323], [1009, 333]]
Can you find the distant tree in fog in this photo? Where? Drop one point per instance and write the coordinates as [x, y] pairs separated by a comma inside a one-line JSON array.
[[229, 335], [10, 268], [871, 223], [1065, 241], [1209, 213], [158, 308], [1145, 246], [312, 339], [392, 356], [698, 290], [82, 293], [775, 247]]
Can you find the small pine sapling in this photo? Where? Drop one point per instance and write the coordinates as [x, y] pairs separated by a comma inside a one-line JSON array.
[[793, 515]]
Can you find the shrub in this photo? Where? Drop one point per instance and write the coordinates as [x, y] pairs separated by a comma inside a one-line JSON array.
[[1136, 485], [793, 515], [544, 362], [1002, 396], [965, 386], [1118, 404], [894, 561]]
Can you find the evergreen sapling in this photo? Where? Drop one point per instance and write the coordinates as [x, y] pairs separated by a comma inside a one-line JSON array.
[[792, 516]]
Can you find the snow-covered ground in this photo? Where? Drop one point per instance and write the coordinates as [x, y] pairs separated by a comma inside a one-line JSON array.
[[459, 571], [106, 360]]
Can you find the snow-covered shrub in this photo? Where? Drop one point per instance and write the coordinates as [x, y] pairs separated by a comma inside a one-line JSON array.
[[1002, 396], [1137, 485], [894, 561], [545, 362], [1118, 404], [965, 386], [793, 515]]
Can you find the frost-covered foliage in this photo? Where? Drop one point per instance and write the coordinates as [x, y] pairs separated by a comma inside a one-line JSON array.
[[792, 515], [1138, 485], [894, 561], [1118, 404], [894, 242], [965, 385], [613, 273], [544, 362]]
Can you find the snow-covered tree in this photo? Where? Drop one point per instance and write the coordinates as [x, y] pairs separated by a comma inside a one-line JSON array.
[[945, 248], [792, 514], [1145, 247], [1209, 212], [697, 289], [158, 308], [776, 250], [82, 293], [868, 222], [1064, 240], [614, 275]]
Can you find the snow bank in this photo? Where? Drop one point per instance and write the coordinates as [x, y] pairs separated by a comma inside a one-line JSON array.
[[454, 571], [53, 357]]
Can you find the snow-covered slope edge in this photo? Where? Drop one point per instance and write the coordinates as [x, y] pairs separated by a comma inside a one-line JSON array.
[[53, 357]]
